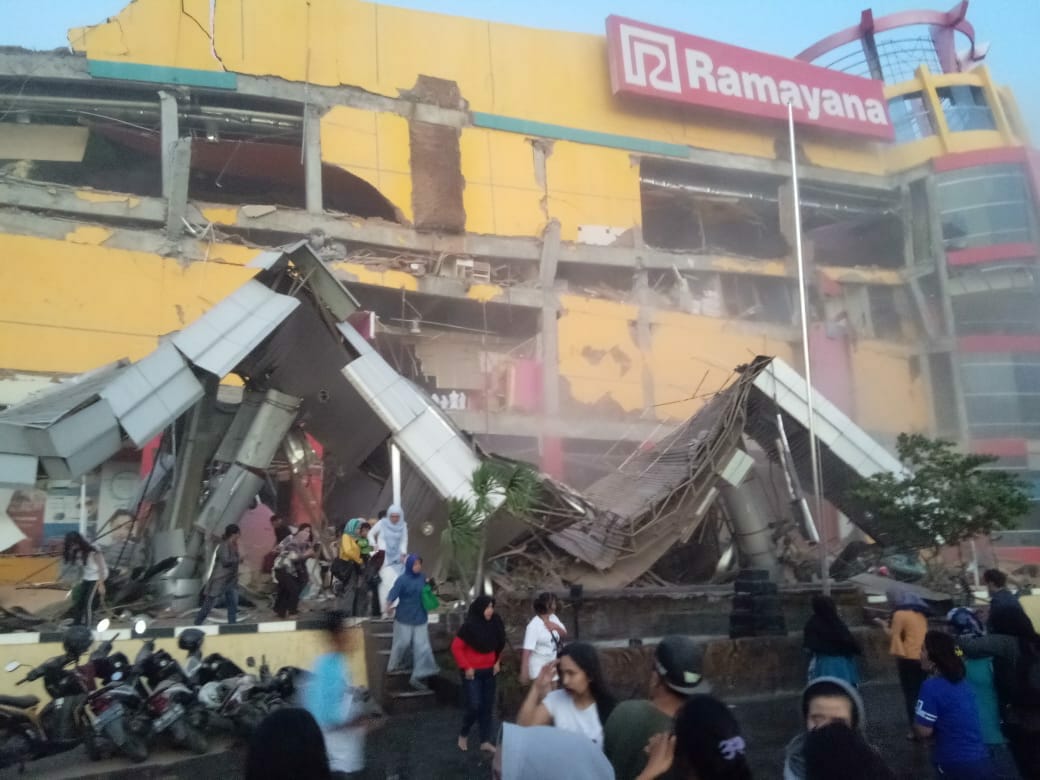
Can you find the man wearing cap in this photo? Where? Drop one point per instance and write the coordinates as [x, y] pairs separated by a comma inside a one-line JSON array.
[[676, 674]]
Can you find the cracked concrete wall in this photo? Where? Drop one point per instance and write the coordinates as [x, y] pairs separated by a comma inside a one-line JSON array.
[[382, 49], [373, 146], [73, 305]]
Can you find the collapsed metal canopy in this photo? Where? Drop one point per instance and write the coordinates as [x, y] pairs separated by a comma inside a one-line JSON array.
[[656, 499], [287, 331]]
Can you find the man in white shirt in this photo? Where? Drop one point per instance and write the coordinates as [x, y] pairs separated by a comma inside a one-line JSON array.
[[542, 639]]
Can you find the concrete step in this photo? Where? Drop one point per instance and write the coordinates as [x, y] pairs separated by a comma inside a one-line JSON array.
[[403, 702]]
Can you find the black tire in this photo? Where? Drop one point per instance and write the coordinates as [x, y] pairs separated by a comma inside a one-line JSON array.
[[195, 741], [248, 719], [135, 748], [93, 747]]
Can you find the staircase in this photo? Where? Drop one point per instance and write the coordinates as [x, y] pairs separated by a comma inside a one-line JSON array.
[[391, 689]]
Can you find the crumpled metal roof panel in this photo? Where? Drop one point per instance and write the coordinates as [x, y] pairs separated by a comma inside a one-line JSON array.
[[221, 338], [152, 393]]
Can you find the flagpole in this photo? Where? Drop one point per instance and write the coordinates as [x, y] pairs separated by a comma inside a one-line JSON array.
[[803, 305]]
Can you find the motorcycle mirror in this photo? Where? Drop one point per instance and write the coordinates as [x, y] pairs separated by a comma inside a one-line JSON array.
[[104, 624], [140, 626], [12, 666], [250, 662]]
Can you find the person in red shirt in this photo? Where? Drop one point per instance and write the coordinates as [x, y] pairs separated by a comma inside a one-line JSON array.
[[477, 649]]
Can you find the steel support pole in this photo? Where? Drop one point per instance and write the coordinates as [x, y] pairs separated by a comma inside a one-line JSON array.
[[803, 306]]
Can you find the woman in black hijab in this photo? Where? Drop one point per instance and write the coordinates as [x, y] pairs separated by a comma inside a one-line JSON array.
[[477, 649], [831, 645]]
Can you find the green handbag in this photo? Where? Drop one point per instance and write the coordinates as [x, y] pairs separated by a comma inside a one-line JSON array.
[[430, 602]]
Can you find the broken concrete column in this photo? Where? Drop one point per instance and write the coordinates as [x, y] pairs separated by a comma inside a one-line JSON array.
[[177, 199], [312, 159], [233, 492], [169, 132], [747, 508]]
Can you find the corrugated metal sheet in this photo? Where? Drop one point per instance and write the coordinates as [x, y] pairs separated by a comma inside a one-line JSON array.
[[17, 471], [221, 338], [153, 392], [628, 498]]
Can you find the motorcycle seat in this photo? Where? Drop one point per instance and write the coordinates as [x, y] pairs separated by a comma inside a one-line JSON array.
[[21, 702]]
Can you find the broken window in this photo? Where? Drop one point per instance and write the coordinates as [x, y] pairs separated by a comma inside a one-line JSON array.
[[885, 315], [985, 205], [965, 108], [758, 298], [910, 117], [596, 280], [846, 227], [694, 208], [244, 149]]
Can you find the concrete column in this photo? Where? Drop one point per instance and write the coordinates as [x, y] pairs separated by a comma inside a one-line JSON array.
[[312, 158], [550, 307], [749, 511], [551, 446], [644, 336], [949, 328], [169, 132], [177, 198]]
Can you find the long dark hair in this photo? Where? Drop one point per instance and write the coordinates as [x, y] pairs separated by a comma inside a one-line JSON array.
[[942, 651], [76, 547], [587, 659], [288, 743], [708, 740]]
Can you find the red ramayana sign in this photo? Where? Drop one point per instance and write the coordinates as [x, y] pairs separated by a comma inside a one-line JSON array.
[[668, 65]]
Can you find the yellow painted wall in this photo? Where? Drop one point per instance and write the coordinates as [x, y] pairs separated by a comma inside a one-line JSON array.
[[282, 648], [503, 194], [890, 395], [69, 307], [599, 358], [26, 569], [691, 357], [373, 146], [383, 49], [691, 352], [592, 185]]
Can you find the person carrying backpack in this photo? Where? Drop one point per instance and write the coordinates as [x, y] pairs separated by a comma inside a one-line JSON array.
[[1014, 646]]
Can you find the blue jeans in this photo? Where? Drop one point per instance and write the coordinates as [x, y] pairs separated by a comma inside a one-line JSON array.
[[230, 595], [479, 704]]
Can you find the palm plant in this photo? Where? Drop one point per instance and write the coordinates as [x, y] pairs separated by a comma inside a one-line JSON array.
[[496, 487]]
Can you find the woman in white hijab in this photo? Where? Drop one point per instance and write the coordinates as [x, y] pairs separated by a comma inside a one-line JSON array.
[[390, 534]]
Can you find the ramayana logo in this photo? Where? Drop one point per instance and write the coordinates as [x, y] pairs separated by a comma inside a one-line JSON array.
[[651, 60]]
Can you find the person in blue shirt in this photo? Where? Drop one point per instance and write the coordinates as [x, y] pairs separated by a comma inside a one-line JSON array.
[[411, 632], [946, 710], [966, 626], [330, 697]]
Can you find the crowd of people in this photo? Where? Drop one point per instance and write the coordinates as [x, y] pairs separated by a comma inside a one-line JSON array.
[[969, 690]]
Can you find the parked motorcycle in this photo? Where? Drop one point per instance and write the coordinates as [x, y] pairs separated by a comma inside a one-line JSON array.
[[77, 712], [229, 696], [171, 702]]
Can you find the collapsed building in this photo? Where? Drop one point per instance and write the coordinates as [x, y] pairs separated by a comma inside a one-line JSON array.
[[568, 269], [310, 374]]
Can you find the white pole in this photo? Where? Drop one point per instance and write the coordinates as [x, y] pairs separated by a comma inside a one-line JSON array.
[[83, 506], [802, 303], [395, 472]]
